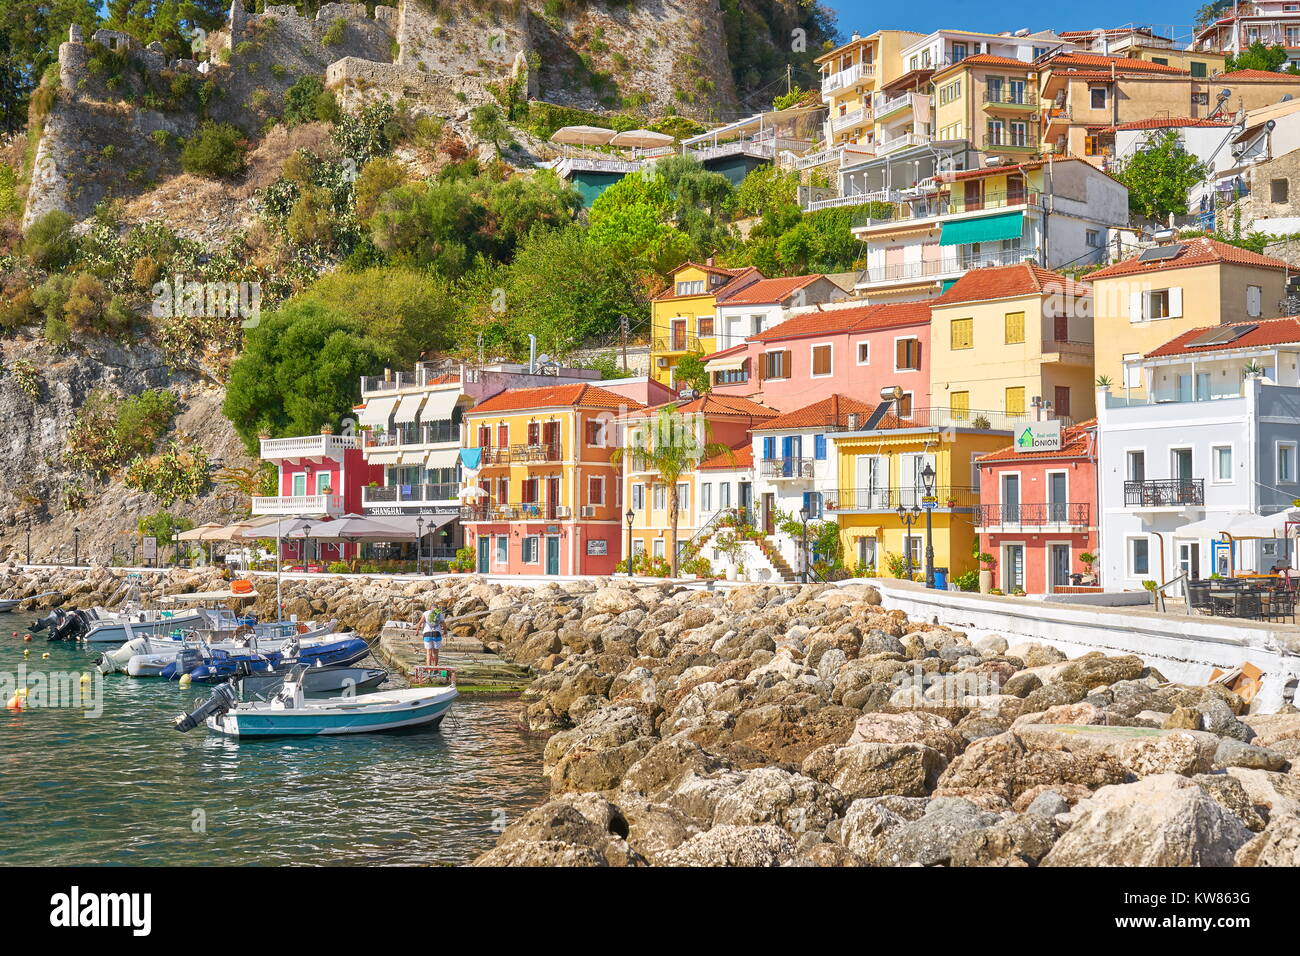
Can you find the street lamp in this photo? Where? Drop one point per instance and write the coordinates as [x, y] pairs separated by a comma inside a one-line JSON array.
[[419, 544], [630, 516], [927, 481], [909, 517], [304, 551], [803, 548], [76, 545]]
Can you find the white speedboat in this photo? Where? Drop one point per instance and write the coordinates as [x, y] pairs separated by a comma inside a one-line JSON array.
[[8, 604], [147, 656], [291, 714]]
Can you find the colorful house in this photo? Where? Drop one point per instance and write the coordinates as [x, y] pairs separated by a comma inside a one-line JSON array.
[[707, 420], [1005, 339], [1038, 510], [1144, 301], [549, 499], [765, 303], [841, 348], [850, 75], [683, 317], [992, 101]]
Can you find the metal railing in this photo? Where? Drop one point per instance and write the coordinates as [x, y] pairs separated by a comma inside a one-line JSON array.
[[307, 445], [430, 433], [1008, 141], [843, 78], [905, 141], [1010, 97], [892, 498], [920, 270], [527, 510], [1164, 493], [423, 374], [508, 454], [676, 343], [443, 491], [906, 210], [1039, 514], [941, 416], [785, 467]]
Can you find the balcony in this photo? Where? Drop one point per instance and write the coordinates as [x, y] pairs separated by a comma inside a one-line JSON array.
[[1012, 99], [885, 105], [411, 494], [908, 211], [677, 343], [785, 468], [1064, 352], [419, 376], [850, 119], [298, 505], [430, 433], [941, 268], [1008, 141], [947, 498], [521, 454], [1165, 493], [308, 446], [1049, 516], [905, 141], [522, 511], [843, 78]]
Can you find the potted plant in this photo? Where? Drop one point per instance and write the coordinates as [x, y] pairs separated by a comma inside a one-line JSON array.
[[327, 429], [1252, 369], [1150, 586], [987, 564]]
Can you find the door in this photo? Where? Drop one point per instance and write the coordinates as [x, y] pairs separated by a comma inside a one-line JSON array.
[[791, 451], [1061, 401], [299, 484], [1056, 497], [972, 194], [1013, 567], [679, 335], [1010, 499], [769, 503], [552, 555], [1059, 560], [873, 481], [551, 438], [484, 554], [1189, 559], [552, 497], [745, 496]]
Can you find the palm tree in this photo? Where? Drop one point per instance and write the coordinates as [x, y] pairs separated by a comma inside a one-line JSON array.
[[669, 448]]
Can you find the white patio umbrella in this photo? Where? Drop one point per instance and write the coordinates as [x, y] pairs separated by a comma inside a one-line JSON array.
[[1266, 527], [1213, 527], [472, 491], [355, 528], [641, 138], [582, 135]]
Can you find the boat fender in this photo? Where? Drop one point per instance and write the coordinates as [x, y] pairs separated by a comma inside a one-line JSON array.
[[27, 639], [185, 680], [85, 678]]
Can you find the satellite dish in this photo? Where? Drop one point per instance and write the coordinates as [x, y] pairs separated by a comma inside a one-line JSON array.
[[543, 359]]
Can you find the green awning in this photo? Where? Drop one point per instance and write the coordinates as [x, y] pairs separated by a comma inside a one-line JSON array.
[[1007, 225], [946, 285]]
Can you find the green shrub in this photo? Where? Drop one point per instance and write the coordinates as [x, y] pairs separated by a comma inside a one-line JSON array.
[[49, 242], [336, 32], [967, 581], [216, 151], [308, 101]]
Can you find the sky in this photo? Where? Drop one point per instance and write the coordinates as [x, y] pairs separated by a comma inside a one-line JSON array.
[[994, 16]]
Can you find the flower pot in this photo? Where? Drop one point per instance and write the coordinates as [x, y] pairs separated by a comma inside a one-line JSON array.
[[986, 582]]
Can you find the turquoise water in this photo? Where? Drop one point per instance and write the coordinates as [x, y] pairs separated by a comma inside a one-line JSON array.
[[125, 788]]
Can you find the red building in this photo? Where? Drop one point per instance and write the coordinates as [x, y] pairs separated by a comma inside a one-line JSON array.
[[1038, 512]]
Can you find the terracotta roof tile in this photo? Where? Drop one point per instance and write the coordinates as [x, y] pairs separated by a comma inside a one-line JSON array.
[[740, 457], [1076, 442], [1283, 331], [1106, 63], [858, 319], [716, 291], [1167, 123], [1002, 282], [1257, 75], [830, 412], [768, 291], [1200, 251], [552, 396], [989, 59], [710, 404]]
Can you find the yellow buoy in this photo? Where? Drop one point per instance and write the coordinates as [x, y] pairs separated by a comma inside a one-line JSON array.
[[27, 652], [85, 678], [45, 656], [185, 680]]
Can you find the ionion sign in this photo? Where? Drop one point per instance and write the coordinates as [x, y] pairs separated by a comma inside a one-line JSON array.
[[1039, 436]]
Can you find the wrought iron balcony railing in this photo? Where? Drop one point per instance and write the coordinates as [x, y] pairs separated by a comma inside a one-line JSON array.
[[785, 467], [1039, 514], [1164, 493], [892, 498]]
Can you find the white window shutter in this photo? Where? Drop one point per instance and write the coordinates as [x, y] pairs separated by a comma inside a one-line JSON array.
[[1135, 307], [1176, 302]]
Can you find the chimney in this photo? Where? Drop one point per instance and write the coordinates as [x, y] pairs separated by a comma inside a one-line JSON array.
[[709, 261]]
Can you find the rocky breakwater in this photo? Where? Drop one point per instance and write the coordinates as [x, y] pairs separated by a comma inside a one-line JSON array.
[[808, 726], [98, 586]]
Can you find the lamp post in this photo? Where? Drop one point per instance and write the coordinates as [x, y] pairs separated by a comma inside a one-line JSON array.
[[630, 516], [909, 517], [803, 547], [76, 546], [304, 550], [419, 544], [927, 480]]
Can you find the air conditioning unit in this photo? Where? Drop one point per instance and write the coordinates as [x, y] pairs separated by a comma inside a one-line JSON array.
[[589, 511], [662, 362], [562, 511]]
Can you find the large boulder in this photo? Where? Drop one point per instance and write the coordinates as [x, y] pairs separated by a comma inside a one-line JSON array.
[[583, 820], [931, 839], [1015, 841], [1277, 845], [1010, 766], [766, 795], [913, 726], [1161, 820], [733, 846], [598, 752], [876, 770], [1142, 751]]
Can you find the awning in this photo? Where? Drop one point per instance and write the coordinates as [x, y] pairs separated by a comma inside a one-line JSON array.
[[443, 458], [438, 405], [408, 406], [731, 363], [471, 458], [431, 523], [377, 411], [411, 458], [382, 456], [1007, 225]]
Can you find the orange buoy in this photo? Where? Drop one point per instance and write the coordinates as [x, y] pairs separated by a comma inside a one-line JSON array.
[[27, 637]]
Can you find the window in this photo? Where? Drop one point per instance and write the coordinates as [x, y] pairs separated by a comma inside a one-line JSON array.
[[912, 545], [1093, 238], [1015, 328], [693, 287], [299, 483], [529, 491], [724, 495], [1061, 328], [1286, 461], [323, 482], [704, 325], [866, 552], [659, 548], [907, 354], [821, 360], [595, 432], [706, 497], [1222, 455], [1015, 399], [819, 447], [905, 405], [638, 497], [683, 497], [812, 504], [1157, 304], [1019, 134], [638, 546], [732, 376], [959, 52], [503, 550], [963, 333], [1162, 60], [1136, 466], [529, 550], [1097, 97], [1138, 557], [1198, 69], [1254, 300], [960, 404], [776, 364], [1277, 190], [864, 353], [485, 436], [1132, 371], [595, 491], [660, 497]]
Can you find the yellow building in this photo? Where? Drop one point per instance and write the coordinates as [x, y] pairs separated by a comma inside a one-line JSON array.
[[1144, 301], [883, 471], [683, 318], [991, 101], [1002, 338], [850, 76], [1141, 43]]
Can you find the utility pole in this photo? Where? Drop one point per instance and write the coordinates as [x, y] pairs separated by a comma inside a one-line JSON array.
[[622, 329], [787, 79]]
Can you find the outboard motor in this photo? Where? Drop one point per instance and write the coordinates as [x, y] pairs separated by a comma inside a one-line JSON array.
[[49, 620], [222, 699], [71, 627]]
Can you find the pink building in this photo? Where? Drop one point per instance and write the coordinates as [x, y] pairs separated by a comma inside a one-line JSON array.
[[319, 476], [854, 351], [1038, 512]]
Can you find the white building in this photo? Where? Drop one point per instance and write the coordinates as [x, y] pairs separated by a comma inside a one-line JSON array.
[[765, 303], [1216, 437]]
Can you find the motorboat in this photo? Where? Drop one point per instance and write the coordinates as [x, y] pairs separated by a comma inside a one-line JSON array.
[[290, 713], [330, 681], [209, 666], [99, 626], [147, 655], [8, 604]]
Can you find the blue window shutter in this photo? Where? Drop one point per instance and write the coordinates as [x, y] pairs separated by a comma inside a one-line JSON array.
[[819, 447], [769, 446]]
